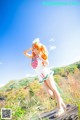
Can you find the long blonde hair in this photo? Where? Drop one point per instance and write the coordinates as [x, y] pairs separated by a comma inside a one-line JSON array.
[[42, 50]]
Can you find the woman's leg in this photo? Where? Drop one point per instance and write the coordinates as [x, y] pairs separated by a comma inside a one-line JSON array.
[[51, 84], [48, 90], [50, 93]]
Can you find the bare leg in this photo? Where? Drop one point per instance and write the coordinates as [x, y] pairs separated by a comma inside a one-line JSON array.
[[48, 90], [51, 84], [51, 93]]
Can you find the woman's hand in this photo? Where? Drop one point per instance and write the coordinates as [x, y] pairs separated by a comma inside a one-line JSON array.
[[27, 50], [27, 54], [30, 49], [44, 62]]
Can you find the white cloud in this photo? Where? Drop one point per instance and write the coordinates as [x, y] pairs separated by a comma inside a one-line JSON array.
[[52, 47], [51, 40]]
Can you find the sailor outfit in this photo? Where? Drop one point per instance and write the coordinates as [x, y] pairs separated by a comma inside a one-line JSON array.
[[42, 71]]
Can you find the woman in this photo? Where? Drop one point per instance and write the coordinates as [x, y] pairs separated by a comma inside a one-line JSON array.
[[40, 63]]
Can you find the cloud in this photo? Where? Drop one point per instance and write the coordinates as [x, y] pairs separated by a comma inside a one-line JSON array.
[[52, 47], [51, 40]]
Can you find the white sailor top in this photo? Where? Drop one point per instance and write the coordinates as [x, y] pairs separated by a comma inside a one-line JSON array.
[[42, 71]]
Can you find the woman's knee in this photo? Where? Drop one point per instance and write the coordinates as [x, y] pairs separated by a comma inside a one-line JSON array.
[[48, 90], [50, 93], [51, 84]]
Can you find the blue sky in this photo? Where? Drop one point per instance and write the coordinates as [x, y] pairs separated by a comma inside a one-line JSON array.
[[21, 21]]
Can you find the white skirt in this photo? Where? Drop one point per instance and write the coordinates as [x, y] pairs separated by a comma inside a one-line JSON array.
[[44, 74]]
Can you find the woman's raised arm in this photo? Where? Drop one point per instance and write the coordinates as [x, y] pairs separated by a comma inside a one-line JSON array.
[[27, 54]]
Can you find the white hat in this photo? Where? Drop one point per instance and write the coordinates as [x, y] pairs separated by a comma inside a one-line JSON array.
[[36, 41]]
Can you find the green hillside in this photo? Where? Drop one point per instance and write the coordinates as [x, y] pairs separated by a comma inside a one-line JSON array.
[[17, 84]]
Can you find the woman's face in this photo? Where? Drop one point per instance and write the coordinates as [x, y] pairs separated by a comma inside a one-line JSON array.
[[35, 50]]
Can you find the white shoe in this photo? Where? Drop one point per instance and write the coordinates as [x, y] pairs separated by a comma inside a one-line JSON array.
[[60, 112], [64, 106]]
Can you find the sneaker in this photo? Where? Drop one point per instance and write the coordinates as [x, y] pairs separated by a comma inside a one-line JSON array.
[[60, 112], [64, 106]]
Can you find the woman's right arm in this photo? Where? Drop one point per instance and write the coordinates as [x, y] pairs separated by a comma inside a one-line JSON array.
[[27, 54]]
